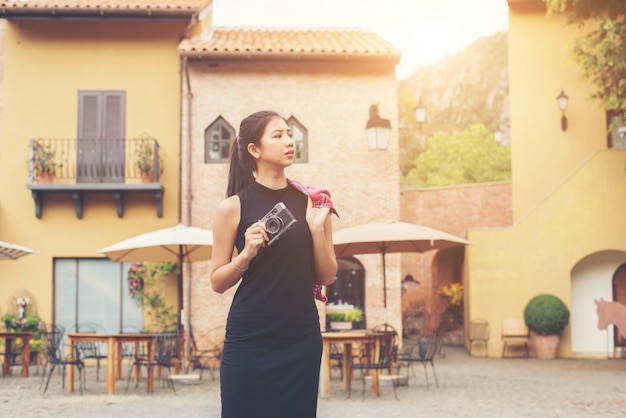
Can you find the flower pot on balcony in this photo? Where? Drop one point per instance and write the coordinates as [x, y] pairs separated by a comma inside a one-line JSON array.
[[46, 178], [147, 177]]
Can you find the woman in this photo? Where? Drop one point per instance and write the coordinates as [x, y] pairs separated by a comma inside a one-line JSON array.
[[272, 352]]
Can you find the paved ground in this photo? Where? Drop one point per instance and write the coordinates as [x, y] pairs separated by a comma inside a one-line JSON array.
[[468, 387]]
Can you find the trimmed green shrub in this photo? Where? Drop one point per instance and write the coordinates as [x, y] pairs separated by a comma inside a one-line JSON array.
[[546, 314]]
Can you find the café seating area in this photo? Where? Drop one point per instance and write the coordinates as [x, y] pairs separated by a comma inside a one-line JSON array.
[[376, 356]]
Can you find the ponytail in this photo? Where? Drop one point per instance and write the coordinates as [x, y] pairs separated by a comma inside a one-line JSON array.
[[242, 164], [241, 169]]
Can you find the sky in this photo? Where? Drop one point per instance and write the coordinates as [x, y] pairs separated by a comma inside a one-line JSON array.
[[424, 30]]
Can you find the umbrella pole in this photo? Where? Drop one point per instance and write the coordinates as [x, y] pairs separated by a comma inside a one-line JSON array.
[[180, 283], [384, 288], [183, 330]]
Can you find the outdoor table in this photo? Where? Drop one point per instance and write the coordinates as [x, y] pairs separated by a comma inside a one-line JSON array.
[[9, 337], [347, 338], [114, 355]]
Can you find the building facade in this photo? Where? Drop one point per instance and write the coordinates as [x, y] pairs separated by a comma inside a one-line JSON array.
[[85, 91], [566, 236]]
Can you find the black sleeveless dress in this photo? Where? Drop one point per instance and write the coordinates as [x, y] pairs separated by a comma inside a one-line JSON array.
[[272, 352]]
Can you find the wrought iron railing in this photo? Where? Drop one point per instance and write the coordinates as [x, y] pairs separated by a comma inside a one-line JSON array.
[[94, 160]]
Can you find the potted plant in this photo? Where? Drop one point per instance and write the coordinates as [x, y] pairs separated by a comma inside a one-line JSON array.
[[546, 316], [44, 165], [9, 319], [354, 315], [338, 321], [145, 159]]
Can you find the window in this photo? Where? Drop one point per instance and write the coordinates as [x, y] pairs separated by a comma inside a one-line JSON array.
[[96, 291], [349, 287], [101, 136], [300, 136], [616, 129], [217, 139]]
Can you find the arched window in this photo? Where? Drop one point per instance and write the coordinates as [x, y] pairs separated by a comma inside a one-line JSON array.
[[300, 136], [349, 288], [217, 139]]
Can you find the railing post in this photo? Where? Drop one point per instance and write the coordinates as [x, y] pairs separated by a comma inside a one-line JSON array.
[[31, 162], [156, 161]]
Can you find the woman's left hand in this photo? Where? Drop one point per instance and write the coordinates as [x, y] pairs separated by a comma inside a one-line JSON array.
[[315, 217]]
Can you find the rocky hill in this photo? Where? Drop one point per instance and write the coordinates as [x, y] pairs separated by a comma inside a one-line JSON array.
[[462, 89]]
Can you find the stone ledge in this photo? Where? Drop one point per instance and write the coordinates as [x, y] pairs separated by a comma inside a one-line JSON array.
[[189, 379], [385, 380]]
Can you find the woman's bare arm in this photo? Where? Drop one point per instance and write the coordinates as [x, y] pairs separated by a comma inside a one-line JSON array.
[[226, 270], [320, 225]]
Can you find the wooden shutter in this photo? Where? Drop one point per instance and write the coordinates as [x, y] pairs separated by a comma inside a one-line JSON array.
[[101, 136]]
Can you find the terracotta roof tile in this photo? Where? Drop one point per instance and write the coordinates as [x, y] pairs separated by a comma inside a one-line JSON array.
[[322, 44], [39, 7]]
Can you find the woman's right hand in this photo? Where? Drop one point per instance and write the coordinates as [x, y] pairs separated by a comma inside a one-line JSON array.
[[255, 237]]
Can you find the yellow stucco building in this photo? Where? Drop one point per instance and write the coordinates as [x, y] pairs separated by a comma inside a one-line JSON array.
[[83, 83], [567, 236]]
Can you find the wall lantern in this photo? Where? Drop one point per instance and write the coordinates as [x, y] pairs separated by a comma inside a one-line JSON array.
[[378, 130], [408, 282], [420, 113], [562, 101]]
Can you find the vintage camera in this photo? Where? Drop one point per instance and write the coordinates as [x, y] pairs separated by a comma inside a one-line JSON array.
[[277, 221]]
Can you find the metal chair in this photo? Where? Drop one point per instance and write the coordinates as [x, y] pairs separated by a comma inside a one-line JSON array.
[[91, 349], [479, 333], [336, 358], [54, 349], [423, 351], [379, 351], [165, 349], [206, 351]]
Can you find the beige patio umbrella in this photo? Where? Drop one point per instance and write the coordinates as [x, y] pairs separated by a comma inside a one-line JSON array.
[[13, 252], [178, 244], [391, 237]]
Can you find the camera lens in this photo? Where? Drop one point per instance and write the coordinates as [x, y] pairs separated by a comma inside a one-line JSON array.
[[273, 225]]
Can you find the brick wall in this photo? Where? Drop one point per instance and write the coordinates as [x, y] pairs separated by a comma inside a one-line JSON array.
[[453, 209], [332, 102]]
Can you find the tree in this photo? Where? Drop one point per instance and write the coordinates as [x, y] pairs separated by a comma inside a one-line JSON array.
[[458, 91], [601, 53], [470, 156]]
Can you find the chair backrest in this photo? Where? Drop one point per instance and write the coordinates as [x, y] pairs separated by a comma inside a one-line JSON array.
[[54, 345], [211, 340], [165, 348], [514, 328], [380, 347], [479, 329], [424, 349], [90, 349]]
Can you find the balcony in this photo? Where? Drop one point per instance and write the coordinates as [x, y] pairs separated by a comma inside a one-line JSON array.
[[81, 166]]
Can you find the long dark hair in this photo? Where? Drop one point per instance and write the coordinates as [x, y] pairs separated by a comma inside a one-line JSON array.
[[242, 165]]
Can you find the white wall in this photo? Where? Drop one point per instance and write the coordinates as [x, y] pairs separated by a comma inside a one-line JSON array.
[[592, 279]]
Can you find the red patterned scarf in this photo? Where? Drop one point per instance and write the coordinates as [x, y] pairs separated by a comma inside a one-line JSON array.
[[321, 199]]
